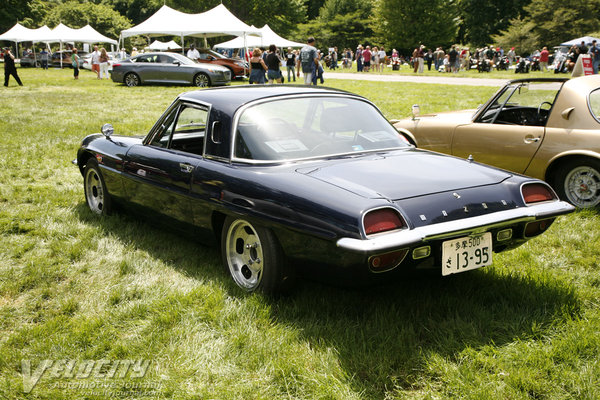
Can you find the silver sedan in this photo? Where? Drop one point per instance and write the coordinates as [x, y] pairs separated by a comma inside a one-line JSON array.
[[168, 68]]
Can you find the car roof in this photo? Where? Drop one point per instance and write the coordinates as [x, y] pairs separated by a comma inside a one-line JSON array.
[[229, 99]]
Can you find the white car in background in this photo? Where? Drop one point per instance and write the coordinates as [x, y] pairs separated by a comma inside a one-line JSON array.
[[87, 62]]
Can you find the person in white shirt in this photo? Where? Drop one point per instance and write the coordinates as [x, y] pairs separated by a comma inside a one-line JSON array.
[[193, 53], [96, 61], [382, 62]]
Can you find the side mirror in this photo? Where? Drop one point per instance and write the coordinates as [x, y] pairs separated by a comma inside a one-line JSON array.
[[416, 111], [107, 130], [176, 62]]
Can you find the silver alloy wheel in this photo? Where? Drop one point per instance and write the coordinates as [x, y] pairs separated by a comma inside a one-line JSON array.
[[132, 79], [582, 186], [94, 191], [244, 255], [201, 80]]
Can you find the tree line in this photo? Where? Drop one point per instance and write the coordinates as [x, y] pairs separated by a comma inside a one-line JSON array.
[[402, 24]]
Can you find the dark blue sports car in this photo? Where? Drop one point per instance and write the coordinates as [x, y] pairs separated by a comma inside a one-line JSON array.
[[303, 179]]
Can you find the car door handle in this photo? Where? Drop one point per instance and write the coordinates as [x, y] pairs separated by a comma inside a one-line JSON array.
[[531, 139], [185, 167]]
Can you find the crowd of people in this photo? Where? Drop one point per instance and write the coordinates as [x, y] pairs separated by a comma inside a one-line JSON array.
[[266, 65]]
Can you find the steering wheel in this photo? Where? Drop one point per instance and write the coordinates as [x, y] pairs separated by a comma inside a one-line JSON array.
[[539, 110]]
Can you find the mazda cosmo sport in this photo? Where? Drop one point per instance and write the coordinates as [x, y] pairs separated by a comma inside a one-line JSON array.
[[545, 128], [311, 180]]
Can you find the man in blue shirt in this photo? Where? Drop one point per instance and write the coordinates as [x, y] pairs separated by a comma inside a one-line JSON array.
[[308, 60], [595, 52]]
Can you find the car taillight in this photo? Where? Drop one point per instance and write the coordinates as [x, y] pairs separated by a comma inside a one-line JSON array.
[[382, 220], [536, 192], [116, 65]]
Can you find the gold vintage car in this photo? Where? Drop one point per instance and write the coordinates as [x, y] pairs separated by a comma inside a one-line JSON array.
[[545, 128]]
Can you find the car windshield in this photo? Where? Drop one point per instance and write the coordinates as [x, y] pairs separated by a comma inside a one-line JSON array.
[[306, 127]]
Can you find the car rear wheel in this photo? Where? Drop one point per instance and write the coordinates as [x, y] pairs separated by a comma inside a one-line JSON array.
[[201, 80], [96, 195], [253, 257], [132, 79], [579, 183]]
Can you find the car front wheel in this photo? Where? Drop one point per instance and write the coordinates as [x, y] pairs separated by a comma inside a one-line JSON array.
[[201, 80], [579, 183], [96, 195], [253, 257], [132, 79]]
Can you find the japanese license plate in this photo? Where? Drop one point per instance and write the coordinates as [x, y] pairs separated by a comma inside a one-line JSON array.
[[466, 253]]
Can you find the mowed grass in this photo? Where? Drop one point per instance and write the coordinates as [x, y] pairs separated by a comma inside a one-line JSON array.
[[77, 287]]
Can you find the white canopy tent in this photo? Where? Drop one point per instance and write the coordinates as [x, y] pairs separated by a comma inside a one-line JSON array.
[[215, 22], [61, 33], [158, 45], [268, 38], [19, 33], [577, 41]]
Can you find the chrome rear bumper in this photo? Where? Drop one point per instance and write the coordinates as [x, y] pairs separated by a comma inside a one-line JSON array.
[[466, 226]]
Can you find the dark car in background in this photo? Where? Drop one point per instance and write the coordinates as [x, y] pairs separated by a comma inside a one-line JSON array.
[[169, 68], [65, 55], [29, 60], [311, 180]]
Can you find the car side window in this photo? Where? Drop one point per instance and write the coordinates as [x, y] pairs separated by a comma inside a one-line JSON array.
[[183, 130], [162, 137], [526, 104], [594, 101]]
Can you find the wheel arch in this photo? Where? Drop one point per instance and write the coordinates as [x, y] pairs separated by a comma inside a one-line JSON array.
[[565, 158], [82, 159]]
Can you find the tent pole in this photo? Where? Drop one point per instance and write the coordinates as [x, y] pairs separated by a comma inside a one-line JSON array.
[[245, 53], [182, 45]]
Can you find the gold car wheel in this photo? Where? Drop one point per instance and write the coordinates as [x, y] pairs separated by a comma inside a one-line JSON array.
[[582, 186]]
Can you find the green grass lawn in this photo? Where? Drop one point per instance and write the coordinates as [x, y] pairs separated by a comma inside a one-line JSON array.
[[76, 287]]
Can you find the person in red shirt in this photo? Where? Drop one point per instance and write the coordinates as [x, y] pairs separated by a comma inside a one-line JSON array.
[[544, 59]]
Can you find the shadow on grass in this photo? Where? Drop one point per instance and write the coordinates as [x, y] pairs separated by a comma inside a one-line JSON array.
[[384, 335]]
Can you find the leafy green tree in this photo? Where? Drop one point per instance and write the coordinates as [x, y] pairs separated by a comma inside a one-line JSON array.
[[557, 21], [520, 35], [407, 23], [480, 19], [11, 12], [76, 15], [341, 23], [312, 8], [345, 30]]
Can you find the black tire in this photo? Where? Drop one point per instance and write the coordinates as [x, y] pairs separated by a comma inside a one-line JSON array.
[[131, 79], [96, 196], [201, 80], [254, 259], [578, 182]]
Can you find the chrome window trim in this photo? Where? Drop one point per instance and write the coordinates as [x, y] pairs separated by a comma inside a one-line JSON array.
[[589, 104]]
